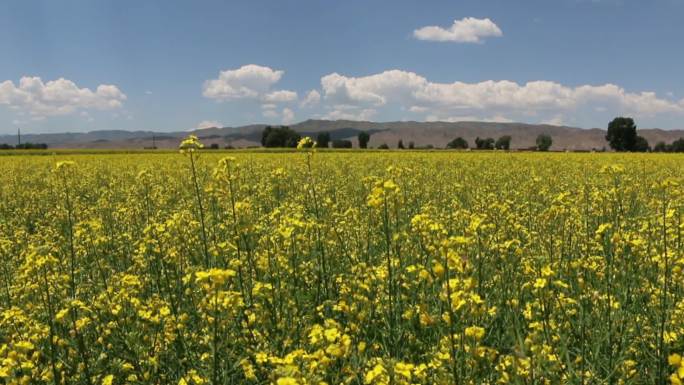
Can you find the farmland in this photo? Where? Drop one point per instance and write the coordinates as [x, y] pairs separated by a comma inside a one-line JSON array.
[[341, 268]]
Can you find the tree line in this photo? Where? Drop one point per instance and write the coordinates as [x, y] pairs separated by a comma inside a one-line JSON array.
[[24, 146], [284, 136], [622, 136]]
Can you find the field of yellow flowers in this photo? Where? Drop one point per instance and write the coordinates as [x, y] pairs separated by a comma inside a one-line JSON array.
[[341, 268]]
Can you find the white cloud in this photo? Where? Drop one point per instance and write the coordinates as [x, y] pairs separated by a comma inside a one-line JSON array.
[[505, 100], [312, 98], [288, 116], [466, 30], [251, 82], [269, 113], [285, 116], [208, 124], [58, 97], [280, 96], [373, 89]]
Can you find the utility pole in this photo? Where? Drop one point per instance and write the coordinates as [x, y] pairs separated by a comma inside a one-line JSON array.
[[18, 136]]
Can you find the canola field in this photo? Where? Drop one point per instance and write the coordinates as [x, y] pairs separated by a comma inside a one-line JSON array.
[[309, 267]]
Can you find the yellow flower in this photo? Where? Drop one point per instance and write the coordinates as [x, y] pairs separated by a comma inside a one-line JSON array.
[[540, 283], [287, 381], [215, 276], [403, 369], [305, 142], [475, 332], [331, 334], [190, 144], [107, 380], [64, 164], [377, 371]]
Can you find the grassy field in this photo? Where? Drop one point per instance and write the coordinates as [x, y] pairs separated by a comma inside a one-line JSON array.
[[341, 268]]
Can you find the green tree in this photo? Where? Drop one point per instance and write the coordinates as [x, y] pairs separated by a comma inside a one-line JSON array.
[[661, 147], [503, 143], [458, 143], [281, 136], [641, 144], [677, 145], [622, 134], [411, 145], [363, 137], [544, 142], [400, 145], [323, 139], [383, 146], [484, 144]]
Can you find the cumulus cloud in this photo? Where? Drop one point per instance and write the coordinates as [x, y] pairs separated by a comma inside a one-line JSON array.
[[268, 110], [285, 116], [208, 124], [501, 99], [466, 30], [311, 99], [252, 82], [281, 96], [58, 97]]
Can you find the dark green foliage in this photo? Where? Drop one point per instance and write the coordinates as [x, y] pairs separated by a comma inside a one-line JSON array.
[[400, 145], [214, 146], [677, 145], [383, 146], [622, 134], [24, 146], [323, 139], [411, 145], [484, 144], [661, 147], [364, 137], [503, 143], [544, 142], [340, 143], [458, 143], [281, 136], [641, 144]]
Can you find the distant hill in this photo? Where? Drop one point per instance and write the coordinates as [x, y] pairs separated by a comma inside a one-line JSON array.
[[437, 134]]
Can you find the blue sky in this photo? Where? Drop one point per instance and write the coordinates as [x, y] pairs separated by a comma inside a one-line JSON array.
[[175, 65]]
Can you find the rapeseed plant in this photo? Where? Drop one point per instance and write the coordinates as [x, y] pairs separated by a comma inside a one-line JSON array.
[[341, 268]]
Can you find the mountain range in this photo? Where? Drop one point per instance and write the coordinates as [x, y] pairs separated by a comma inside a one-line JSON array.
[[436, 134]]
